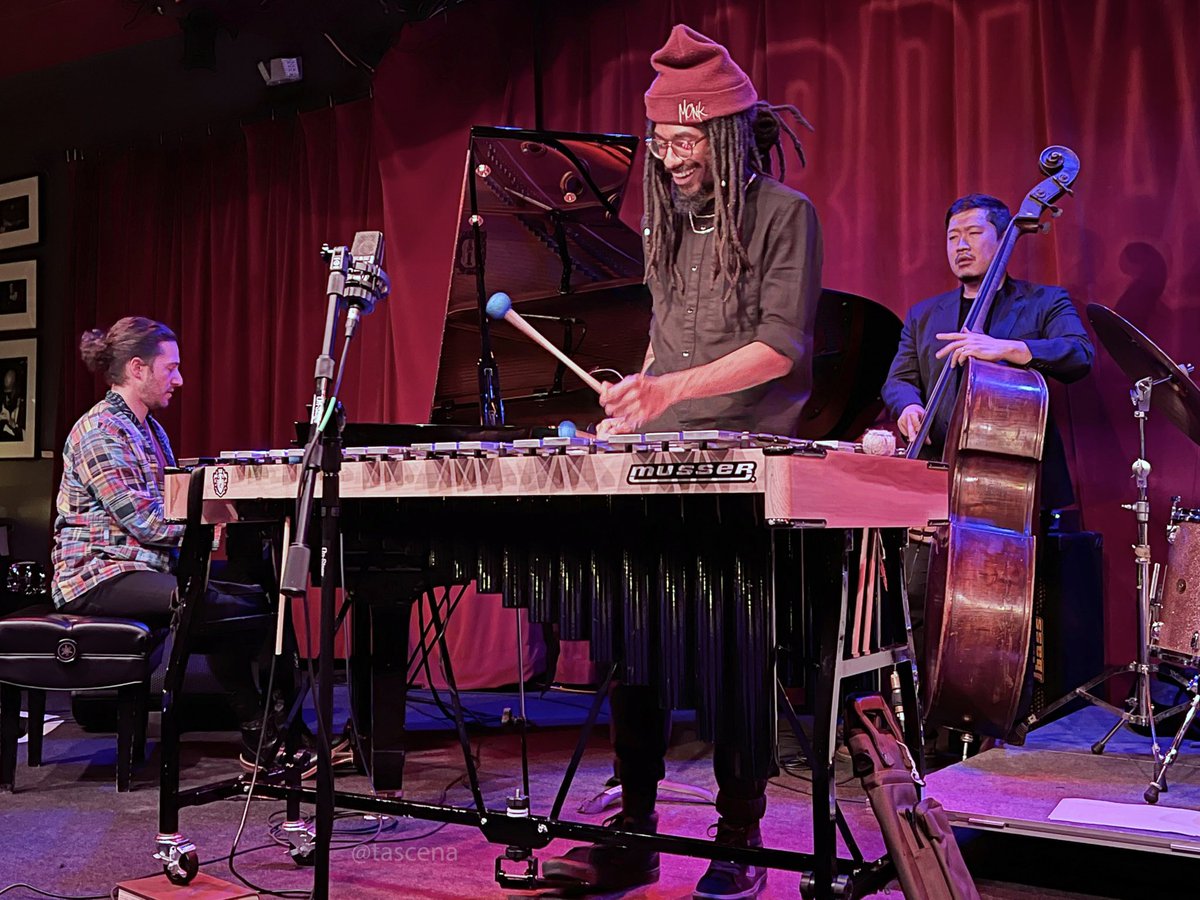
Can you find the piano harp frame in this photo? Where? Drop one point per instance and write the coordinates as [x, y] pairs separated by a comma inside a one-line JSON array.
[[824, 873]]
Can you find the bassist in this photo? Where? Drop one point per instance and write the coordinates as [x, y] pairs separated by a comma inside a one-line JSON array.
[[1031, 325], [1027, 325]]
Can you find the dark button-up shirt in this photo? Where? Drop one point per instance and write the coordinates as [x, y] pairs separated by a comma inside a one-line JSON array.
[[775, 304], [110, 502]]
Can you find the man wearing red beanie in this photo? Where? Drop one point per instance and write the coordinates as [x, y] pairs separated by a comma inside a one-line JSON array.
[[733, 263]]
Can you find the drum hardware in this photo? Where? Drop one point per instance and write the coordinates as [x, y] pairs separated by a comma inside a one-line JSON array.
[[1177, 637], [1159, 784], [1179, 400]]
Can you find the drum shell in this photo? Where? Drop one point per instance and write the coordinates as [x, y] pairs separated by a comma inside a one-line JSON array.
[[1179, 634]]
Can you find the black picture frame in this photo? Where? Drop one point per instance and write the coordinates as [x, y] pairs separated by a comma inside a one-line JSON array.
[[18, 295], [20, 212], [18, 398]]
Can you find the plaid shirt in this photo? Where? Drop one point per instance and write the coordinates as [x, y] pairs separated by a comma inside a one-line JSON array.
[[110, 502]]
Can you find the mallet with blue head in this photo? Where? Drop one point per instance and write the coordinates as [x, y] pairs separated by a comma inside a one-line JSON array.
[[499, 306]]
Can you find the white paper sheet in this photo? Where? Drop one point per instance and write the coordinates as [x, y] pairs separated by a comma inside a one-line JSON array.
[[1142, 816]]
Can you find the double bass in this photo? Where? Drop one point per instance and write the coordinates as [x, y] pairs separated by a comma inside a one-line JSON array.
[[979, 600]]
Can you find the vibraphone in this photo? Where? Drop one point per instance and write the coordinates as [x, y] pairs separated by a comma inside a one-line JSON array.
[[676, 555]]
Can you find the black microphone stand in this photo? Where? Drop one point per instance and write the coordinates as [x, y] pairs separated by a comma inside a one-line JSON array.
[[491, 404], [323, 453]]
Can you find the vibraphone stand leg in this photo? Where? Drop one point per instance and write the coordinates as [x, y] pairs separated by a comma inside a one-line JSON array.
[[584, 734], [834, 666], [460, 724], [831, 653], [523, 722], [175, 851], [905, 679], [797, 728]]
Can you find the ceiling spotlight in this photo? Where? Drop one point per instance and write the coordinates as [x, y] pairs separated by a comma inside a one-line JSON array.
[[283, 70]]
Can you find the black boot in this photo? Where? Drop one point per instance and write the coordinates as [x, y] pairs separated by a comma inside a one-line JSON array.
[[606, 867], [729, 880], [259, 748]]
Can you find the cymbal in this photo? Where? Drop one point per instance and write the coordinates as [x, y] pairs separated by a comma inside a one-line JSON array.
[[1177, 397]]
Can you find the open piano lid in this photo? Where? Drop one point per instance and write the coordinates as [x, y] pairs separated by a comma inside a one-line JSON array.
[[553, 242]]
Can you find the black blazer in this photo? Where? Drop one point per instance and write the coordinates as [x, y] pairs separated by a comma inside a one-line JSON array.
[[1042, 316]]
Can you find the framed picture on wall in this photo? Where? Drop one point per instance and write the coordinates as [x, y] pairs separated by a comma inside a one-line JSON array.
[[19, 224], [18, 295], [18, 397]]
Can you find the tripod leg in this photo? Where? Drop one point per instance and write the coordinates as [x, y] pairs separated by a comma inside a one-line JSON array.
[[1098, 747], [1159, 784]]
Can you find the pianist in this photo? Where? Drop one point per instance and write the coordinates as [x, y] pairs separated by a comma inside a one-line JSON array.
[[113, 548], [733, 263]]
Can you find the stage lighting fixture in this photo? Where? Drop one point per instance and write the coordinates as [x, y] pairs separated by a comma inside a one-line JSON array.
[[282, 70]]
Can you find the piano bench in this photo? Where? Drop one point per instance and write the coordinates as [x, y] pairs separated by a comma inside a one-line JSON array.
[[42, 650]]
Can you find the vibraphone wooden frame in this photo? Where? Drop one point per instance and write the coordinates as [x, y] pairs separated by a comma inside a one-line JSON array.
[[824, 873]]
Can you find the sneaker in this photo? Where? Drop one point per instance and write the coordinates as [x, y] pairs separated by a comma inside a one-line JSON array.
[[602, 868], [730, 880]]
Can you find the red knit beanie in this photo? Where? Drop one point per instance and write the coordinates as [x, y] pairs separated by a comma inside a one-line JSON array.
[[697, 81]]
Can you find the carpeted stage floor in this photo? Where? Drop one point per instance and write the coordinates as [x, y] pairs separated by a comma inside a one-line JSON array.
[[67, 831]]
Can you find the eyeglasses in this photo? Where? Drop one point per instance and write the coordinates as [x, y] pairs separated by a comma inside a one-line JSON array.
[[683, 148]]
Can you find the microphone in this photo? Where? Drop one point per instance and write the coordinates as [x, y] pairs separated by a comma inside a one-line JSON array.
[[366, 282]]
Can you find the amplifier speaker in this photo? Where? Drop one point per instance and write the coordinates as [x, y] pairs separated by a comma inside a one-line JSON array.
[[1070, 618]]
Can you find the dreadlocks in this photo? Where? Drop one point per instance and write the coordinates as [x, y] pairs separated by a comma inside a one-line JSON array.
[[741, 145]]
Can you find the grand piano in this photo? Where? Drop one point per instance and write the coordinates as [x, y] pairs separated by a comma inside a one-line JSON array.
[[672, 554]]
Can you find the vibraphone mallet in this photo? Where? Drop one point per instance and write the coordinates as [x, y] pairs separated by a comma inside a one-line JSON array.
[[499, 306]]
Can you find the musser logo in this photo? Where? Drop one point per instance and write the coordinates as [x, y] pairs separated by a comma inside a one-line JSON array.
[[675, 473]]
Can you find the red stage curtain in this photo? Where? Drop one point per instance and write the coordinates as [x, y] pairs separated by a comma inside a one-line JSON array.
[[220, 238], [915, 102]]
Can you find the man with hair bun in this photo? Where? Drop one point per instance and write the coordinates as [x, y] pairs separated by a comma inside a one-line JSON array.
[[733, 264], [113, 546]]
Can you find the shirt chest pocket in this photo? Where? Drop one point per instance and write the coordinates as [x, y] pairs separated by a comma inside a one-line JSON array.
[[736, 315]]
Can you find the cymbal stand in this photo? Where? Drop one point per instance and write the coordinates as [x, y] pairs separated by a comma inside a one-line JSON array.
[[1139, 709]]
